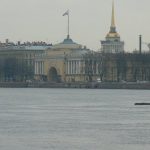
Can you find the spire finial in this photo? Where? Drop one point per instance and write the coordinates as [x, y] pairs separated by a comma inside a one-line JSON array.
[[113, 15]]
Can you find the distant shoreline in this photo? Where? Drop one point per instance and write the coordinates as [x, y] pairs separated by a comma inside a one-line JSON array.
[[89, 85]]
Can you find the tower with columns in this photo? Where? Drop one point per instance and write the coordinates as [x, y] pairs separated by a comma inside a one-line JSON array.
[[112, 42]]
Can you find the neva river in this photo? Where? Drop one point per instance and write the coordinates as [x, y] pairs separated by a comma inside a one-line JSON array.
[[74, 119]]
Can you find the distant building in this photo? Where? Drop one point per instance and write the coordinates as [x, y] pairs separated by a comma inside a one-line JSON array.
[[17, 60], [112, 44]]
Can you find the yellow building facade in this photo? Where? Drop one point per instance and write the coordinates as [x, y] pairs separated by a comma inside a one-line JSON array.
[[64, 62]]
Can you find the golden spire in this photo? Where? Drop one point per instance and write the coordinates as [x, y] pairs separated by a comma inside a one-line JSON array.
[[113, 15], [113, 32]]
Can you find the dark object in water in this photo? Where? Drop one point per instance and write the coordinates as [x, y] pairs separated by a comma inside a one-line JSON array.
[[142, 104]]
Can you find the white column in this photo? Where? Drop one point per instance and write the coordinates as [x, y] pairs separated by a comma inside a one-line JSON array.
[[38, 67], [78, 66], [42, 68], [83, 67], [69, 67], [66, 67], [35, 67], [75, 67], [72, 67]]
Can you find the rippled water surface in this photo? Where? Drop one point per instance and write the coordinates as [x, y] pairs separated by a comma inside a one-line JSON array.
[[74, 119]]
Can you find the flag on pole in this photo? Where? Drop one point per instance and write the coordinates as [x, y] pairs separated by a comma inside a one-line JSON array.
[[66, 13]]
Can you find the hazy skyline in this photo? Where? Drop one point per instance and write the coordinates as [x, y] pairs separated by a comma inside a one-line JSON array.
[[36, 20]]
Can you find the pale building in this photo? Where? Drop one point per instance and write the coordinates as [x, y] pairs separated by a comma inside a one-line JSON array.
[[17, 61], [112, 43]]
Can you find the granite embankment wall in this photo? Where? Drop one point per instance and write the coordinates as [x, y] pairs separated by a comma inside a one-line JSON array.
[[13, 84], [91, 85]]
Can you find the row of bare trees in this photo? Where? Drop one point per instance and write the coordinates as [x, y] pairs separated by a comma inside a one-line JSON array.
[[117, 67]]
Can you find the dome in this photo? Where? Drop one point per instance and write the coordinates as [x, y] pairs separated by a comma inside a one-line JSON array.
[[113, 35], [68, 43]]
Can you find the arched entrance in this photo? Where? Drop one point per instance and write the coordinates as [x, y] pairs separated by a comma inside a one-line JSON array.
[[53, 75]]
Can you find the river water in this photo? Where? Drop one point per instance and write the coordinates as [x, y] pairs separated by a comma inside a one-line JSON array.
[[74, 119]]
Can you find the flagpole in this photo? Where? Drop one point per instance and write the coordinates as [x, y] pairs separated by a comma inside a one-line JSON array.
[[68, 25], [68, 28]]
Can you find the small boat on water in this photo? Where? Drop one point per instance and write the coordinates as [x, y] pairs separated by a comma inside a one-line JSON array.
[[142, 104]]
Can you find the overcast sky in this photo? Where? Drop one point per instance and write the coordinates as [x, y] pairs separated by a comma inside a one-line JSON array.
[[36, 20]]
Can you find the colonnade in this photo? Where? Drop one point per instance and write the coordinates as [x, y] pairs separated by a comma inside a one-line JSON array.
[[73, 67], [39, 67]]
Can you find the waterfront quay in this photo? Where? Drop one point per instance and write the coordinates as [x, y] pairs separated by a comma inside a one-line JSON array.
[[90, 85]]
